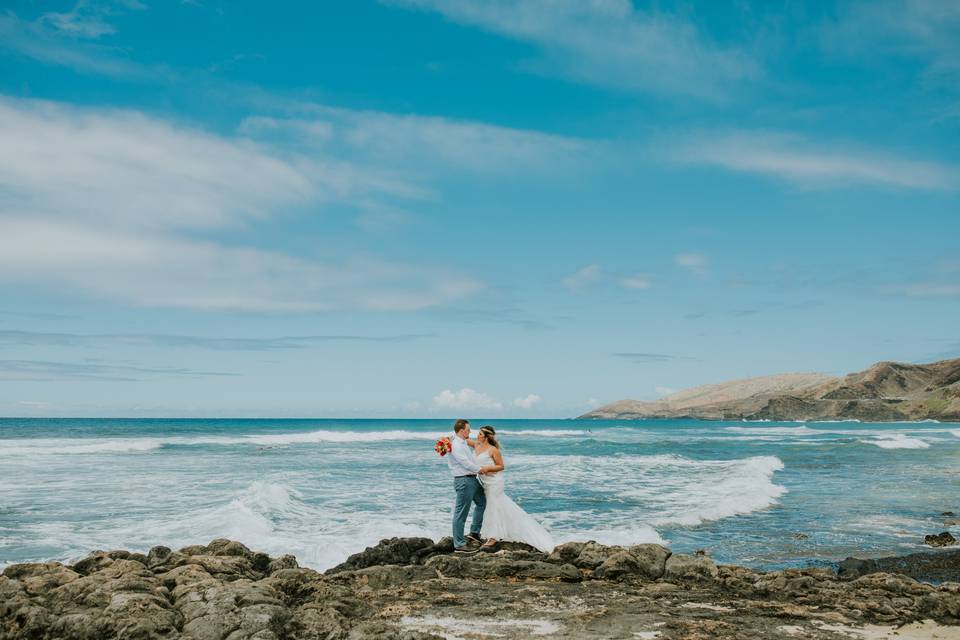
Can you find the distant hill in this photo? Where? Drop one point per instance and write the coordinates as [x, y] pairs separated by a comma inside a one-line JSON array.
[[887, 391]]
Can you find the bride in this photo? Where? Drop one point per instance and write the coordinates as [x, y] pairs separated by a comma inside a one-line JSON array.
[[503, 519]]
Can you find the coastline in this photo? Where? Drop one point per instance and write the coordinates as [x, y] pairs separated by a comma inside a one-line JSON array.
[[753, 494], [415, 589]]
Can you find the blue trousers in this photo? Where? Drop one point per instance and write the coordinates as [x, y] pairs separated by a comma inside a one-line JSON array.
[[468, 490]]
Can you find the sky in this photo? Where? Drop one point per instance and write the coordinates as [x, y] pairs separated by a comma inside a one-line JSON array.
[[445, 208]]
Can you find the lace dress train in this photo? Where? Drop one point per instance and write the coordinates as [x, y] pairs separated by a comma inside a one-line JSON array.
[[503, 518]]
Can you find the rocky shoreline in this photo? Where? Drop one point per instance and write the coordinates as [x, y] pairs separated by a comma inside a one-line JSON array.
[[414, 589], [885, 392]]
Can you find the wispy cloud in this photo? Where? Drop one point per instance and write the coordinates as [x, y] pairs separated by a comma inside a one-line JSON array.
[[103, 201], [583, 278], [811, 164], [396, 140], [645, 358], [153, 270], [69, 39], [88, 18], [503, 315], [638, 281], [39, 371], [528, 401], [947, 351], [924, 289], [282, 343], [694, 262], [924, 29], [466, 399], [609, 43], [124, 167], [939, 279], [35, 315]]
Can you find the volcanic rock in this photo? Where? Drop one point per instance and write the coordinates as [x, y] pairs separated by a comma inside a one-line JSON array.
[[225, 591]]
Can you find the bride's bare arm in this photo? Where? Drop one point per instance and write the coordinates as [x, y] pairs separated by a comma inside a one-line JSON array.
[[497, 462]]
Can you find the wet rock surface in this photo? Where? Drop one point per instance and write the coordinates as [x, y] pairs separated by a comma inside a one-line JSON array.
[[413, 589], [940, 566], [944, 539]]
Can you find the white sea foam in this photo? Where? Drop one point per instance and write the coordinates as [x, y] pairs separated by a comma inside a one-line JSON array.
[[774, 431], [62, 446], [662, 489], [897, 441], [725, 489], [269, 516], [547, 433], [955, 433], [66, 446], [323, 516]]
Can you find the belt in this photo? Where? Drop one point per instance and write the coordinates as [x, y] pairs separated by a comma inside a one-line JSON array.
[[469, 475]]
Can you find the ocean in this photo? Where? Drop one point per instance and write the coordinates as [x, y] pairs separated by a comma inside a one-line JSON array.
[[765, 495]]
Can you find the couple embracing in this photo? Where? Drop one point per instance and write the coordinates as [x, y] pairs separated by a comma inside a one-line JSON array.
[[477, 467]]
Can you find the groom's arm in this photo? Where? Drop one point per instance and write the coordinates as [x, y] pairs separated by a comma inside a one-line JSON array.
[[460, 455]]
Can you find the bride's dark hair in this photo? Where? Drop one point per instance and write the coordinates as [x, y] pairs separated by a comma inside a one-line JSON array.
[[491, 435]]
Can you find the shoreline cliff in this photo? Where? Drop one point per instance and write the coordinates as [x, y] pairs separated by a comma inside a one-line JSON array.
[[885, 392], [415, 589]]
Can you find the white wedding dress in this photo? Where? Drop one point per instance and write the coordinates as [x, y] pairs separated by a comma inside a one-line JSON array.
[[503, 519]]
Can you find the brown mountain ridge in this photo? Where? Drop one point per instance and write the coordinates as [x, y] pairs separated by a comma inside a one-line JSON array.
[[885, 392]]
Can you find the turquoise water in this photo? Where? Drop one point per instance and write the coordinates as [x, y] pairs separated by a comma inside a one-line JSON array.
[[322, 489]]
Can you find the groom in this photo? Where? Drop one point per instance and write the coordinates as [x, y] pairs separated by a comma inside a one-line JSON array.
[[464, 467]]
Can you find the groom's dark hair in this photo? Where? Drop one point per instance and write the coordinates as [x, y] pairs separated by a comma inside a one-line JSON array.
[[460, 425]]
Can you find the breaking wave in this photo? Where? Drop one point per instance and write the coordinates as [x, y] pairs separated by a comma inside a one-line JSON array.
[[897, 441]]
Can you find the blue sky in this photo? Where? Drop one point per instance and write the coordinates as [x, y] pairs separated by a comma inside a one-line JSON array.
[[434, 208]]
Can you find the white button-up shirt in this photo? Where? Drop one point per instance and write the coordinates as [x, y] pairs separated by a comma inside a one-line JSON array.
[[461, 459]]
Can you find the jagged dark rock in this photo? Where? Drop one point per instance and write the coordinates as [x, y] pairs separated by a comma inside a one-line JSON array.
[[225, 591], [944, 539], [940, 566], [388, 551]]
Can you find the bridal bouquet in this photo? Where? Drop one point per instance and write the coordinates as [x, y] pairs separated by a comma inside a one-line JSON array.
[[443, 446]]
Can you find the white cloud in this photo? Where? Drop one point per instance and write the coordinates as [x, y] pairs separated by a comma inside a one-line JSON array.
[[397, 139], [527, 402], [159, 270], [34, 405], [664, 391], [609, 43], [913, 28], [88, 18], [105, 202], [592, 403], [638, 281], [122, 167], [694, 262], [53, 40], [312, 129], [466, 399], [796, 159], [583, 278]]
